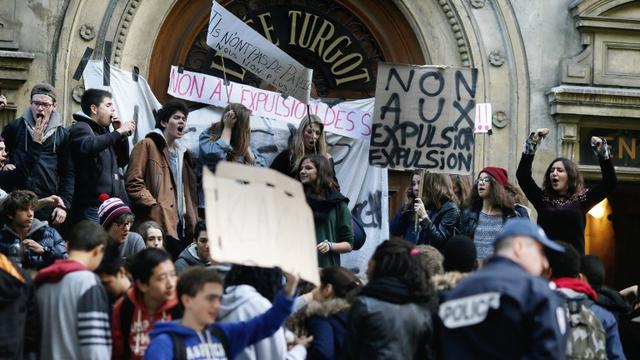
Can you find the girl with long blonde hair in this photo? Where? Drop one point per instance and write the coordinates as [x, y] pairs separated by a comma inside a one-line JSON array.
[[309, 139]]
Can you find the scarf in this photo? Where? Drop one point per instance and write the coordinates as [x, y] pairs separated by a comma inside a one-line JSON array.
[[391, 290], [577, 285], [322, 206]]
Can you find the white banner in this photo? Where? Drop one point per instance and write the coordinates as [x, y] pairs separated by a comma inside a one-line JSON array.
[[127, 93], [237, 41], [207, 89]]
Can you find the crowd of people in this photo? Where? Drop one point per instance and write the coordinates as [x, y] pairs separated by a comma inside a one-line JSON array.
[[465, 274]]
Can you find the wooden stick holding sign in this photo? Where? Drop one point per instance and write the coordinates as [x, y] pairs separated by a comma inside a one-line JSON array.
[[418, 196]]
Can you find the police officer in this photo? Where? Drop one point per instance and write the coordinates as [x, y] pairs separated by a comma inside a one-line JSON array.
[[506, 310]]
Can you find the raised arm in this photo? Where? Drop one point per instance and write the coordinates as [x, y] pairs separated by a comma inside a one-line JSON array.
[[85, 142], [609, 180], [531, 190]]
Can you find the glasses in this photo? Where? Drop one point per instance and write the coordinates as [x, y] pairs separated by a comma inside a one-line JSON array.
[[38, 104], [123, 224], [484, 180]]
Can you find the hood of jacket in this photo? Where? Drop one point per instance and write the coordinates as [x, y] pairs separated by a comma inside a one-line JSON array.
[[157, 136], [190, 255], [322, 207], [82, 117], [35, 226], [136, 298], [392, 290], [236, 297], [58, 270], [448, 280], [576, 285], [55, 121], [327, 308]]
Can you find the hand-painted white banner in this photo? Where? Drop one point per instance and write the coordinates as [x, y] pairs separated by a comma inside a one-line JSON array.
[[127, 93], [237, 41], [349, 122]]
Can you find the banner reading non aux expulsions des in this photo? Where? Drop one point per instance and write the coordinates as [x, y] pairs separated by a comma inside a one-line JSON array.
[[209, 89]]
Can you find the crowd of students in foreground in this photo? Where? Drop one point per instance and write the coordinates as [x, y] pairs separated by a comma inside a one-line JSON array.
[[533, 298]]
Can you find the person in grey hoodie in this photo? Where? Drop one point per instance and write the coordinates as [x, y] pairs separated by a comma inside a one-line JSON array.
[[31, 243], [41, 129], [197, 254], [249, 292]]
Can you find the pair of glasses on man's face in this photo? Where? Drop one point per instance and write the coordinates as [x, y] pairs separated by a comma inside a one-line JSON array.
[[123, 224], [38, 104]]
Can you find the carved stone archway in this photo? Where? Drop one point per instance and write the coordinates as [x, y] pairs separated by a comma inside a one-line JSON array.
[[377, 39]]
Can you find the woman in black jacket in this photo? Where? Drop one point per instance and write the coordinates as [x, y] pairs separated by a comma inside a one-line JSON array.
[[563, 201], [391, 317], [489, 206], [437, 211]]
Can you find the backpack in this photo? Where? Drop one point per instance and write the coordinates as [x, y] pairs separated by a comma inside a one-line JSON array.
[[359, 236], [180, 350], [586, 338]]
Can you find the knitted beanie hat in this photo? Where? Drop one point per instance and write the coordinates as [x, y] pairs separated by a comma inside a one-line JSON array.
[[497, 173], [111, 209]]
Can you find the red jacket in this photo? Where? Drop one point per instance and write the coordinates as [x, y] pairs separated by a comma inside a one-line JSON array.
[[141, 325]]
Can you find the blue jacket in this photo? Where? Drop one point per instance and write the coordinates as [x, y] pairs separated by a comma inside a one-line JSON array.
[[502, 312], [43, 234], [239, 335]]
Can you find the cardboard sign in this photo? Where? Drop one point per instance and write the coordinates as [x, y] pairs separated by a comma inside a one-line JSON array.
[[424, 118], [259, 217], [237, 41], [211, 90], [483, 118]]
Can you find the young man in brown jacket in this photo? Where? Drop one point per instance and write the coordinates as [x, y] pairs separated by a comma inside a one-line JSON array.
[[161, 181]]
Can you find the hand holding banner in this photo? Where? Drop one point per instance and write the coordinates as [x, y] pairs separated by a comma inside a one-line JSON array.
[[237, 41]]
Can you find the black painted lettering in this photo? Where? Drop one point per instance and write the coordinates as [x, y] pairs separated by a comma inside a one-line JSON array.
[[394, 73]]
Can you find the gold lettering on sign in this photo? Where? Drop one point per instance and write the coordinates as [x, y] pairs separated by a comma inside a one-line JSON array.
[[320, 41], [623, 147], [267, 28]]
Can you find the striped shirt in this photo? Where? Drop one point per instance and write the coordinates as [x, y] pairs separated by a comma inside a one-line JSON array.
[[488, 228]]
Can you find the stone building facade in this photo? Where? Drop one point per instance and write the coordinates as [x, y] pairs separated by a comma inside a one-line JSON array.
[[571, 66]]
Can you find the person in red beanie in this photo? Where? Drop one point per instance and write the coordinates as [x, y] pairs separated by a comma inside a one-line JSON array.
[[489, 206]]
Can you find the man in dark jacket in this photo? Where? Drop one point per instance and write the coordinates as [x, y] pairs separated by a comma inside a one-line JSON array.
[[98, 153], [198, 252], [20, 325], [505, 310], [53, 174], [30, 242]]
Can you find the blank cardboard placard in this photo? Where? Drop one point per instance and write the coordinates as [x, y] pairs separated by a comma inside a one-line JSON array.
[[257, 216]]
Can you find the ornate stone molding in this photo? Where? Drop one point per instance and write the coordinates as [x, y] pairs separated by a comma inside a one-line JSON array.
[[123, 30], [87, 32], [477, 4], [463, 48], [496, 58]]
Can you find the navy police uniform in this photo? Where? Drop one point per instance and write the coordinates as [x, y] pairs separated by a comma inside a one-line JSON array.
[[502, 312]]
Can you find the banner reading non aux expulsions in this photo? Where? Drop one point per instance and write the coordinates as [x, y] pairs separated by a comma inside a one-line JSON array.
[[424, 118]]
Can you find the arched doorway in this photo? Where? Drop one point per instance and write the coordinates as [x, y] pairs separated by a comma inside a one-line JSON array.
[[342, 41]]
